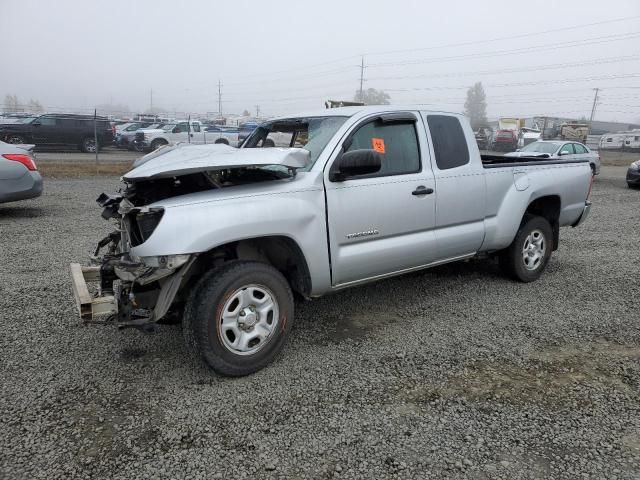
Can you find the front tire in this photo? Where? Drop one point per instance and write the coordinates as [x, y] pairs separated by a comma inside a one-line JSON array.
[[238, 317], [527, 256]]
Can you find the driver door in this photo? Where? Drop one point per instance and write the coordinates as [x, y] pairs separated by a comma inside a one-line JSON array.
[[383, 222]]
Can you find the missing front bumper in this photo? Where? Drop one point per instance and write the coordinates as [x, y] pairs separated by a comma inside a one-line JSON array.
[[91, 309]]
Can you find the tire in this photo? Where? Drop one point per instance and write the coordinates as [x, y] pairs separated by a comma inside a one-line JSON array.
[[138, 147], [88, 145], [527, 256], [156, 144], [15, 139], [219, 291], [222, 140]]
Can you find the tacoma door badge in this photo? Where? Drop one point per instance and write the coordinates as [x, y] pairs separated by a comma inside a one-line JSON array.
[[366, 233]]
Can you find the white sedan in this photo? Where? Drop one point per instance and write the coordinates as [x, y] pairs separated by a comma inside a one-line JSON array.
[[556, 149]]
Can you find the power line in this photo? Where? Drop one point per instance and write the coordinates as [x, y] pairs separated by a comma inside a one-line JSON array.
[[510, 37], [450, 45], [535, 48], [598, 61]]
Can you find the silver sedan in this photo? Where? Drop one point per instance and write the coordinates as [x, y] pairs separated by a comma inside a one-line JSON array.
[[19, 176], [557, 149]]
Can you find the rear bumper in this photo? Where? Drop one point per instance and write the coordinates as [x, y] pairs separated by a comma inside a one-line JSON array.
[[27, 186], [584, 215]]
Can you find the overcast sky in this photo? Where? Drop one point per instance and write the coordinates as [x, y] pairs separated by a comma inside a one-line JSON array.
[[288, 56]]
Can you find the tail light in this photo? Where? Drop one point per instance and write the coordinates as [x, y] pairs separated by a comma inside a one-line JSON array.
[[24, 159]]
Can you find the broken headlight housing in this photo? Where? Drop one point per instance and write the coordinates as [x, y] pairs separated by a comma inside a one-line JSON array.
[[142, 224]]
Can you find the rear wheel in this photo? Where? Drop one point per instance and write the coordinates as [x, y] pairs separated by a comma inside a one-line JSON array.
[[88, 145], [238, 317], [15, 139], [527, 256]]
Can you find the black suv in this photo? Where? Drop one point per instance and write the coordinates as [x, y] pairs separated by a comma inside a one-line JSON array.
[[59, 130]]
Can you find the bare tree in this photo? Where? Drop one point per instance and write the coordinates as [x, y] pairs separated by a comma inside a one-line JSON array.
[[475, 107], [11, 103], [35, 106], [371, 96], [246, 113]]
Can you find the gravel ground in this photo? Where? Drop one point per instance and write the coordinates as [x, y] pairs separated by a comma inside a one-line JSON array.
[[450, 373]]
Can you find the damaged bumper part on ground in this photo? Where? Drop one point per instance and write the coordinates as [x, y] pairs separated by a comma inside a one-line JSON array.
[[118, 287]]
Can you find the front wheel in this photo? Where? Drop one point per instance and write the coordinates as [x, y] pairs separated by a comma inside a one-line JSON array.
[[238, 317], [527, 256]]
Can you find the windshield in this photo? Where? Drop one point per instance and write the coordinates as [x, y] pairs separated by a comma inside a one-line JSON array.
[[310, 133], [168, 127], [540, 147], [27, 120]]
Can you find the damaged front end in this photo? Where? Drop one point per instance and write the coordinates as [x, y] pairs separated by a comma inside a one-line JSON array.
[[121, 288]]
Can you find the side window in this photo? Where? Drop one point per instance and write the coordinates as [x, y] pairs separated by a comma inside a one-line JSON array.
[[195, 127], [181, 128], [397, 142], [567, 149], [449, 141], [579, 148], [48, 121], [609, 139]]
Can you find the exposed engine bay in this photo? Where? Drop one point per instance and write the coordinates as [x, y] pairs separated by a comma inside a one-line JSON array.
[[144, 288]]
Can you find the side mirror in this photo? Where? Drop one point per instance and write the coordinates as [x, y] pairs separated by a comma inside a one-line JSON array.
[[175, 130], [354, 163]]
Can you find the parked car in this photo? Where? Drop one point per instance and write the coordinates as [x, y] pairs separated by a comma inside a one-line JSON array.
[[505, 141], [229, 234], [19, 176], [557, 150], [633, 175], [125, 135], [59, 130], [127, 138], [182, 132]]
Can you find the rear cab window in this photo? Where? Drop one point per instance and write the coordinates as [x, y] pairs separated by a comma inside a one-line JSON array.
[[449, 141]]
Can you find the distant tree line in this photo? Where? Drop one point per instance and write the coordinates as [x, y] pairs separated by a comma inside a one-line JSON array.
[[12, 104]]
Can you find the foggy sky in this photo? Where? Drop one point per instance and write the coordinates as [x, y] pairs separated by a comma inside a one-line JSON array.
[[288, 56]]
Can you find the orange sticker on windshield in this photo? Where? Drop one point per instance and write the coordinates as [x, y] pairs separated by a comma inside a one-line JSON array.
[[378, 144]]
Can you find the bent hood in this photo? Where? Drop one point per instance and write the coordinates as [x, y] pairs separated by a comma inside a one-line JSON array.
[[183, 159]]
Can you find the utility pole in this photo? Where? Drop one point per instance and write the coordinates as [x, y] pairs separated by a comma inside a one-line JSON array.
[[219, 98], [257, 110], [151, 100], [593, 108], [361, 77]]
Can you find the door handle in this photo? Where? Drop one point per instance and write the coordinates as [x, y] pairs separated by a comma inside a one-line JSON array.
[[422, 190]]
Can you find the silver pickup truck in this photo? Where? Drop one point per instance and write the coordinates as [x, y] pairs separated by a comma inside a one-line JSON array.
[[223, 237]]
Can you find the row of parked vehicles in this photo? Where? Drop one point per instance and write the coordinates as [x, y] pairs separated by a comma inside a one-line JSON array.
[[82, 131]]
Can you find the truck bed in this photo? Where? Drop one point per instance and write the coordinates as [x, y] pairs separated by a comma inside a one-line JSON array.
[[497, 161]]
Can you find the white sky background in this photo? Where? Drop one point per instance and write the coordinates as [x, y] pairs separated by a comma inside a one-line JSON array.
[[288, 56]]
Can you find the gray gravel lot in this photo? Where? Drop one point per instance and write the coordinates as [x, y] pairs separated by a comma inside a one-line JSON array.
[[454, 372]]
